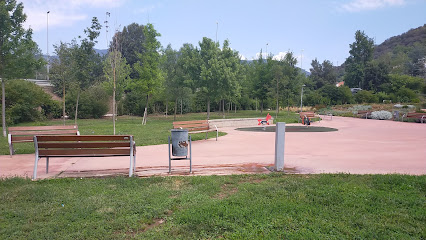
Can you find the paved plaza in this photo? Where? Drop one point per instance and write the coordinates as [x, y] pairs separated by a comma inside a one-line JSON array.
[[360, 146]]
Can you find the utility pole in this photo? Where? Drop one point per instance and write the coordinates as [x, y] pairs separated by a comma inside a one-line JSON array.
[[48, 57]]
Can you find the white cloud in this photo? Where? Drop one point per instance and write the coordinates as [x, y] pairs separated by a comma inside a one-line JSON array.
[[62, 12], [242, 57], [279, 56], [367, 5]]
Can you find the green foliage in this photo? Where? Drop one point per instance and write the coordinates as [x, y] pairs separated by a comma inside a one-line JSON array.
[[116, 66], [365, 96], [322, 74], [406, 95], [361, 52], [94, 102], [323, 206], [27, 102], [131, 42]]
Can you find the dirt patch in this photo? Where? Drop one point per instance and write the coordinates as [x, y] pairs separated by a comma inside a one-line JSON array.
[[226, 192]]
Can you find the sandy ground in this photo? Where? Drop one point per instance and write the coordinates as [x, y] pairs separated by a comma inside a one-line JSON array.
[[360, 146]]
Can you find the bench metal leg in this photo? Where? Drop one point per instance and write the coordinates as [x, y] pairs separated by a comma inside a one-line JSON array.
[[35, 167], [131, 167], [9, 139], [47, 164], [36, 158], [170, 159], [190, 154]]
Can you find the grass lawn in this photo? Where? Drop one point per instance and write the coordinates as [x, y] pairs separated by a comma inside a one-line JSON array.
[[273, 206], [154, 132]]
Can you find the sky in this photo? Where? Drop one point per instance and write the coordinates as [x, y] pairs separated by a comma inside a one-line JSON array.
[[311, 29]]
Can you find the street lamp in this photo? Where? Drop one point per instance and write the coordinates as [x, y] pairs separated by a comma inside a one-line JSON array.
[[48, 58], [301, 98]]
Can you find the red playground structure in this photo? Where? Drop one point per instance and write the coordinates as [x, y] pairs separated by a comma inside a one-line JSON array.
[[266, 121]]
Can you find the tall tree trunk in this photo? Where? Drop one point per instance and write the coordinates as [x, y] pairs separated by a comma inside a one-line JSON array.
[[3, 107], [230, 106], [235, 105], [145, 113], [76, 107], [208, 108], [256, 104], [63, 102], [113, 102], [278, 104], [174, 117], [261, 106], [181, 107], [167, 107], [223, 108]]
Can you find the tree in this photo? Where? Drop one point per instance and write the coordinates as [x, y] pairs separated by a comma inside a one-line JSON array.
[[361, 52], [261, 80], [86, 62], [131, 41], [227, 83], [210, 70], [178, 73], [148, 69], [17, 49], [61, 70], [322, 74], [117, 73], [376, 75]]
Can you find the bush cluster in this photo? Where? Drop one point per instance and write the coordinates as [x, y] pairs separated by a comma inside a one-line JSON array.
[[27, 102]]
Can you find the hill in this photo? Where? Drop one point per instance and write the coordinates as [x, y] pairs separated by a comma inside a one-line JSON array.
[[406, 40]]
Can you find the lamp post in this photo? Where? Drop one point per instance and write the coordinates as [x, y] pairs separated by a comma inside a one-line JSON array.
[[217, 26], [301, 98], [48, 58]]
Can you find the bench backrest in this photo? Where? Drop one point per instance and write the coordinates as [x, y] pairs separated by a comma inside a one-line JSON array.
[[26, 134], [416, 115], [196, 125], [84, 146], [363, 112], [307, 114]]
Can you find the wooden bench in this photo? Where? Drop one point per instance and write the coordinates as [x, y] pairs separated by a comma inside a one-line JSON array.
[[26, 134], [309, 116], [420, 116], [197, 126], [84, 146], [364, 114]]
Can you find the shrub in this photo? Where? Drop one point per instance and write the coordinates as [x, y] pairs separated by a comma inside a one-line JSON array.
[[381, 115], [93, 103], [366, 97], [26, 102]]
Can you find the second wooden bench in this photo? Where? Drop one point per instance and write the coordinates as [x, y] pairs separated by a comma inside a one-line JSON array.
[[196, 126], [26, 134]]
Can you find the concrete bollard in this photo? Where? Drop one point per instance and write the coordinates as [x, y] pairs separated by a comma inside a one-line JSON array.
[[279, 146]]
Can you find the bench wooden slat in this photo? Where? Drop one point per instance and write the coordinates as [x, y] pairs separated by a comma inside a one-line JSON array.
[[191, 122], [184, 125], [16, 139], [57, 127], [415, 115], [83, 144], [84, 152], [32, 133], [59, 138]]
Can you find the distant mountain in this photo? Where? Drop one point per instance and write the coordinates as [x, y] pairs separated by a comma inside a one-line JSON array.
[[408, 40], [101, 52]]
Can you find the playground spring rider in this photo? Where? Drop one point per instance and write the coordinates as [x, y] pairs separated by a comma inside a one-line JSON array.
[[266, 121]]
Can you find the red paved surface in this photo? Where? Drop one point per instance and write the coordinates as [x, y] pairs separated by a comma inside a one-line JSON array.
[[359, 147]]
